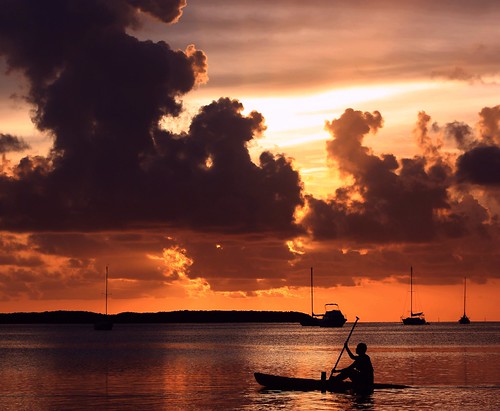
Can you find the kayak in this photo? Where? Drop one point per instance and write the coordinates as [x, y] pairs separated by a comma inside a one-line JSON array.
[[277, 382]]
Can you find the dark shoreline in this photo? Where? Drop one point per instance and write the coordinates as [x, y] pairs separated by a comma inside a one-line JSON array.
[[87, 317]]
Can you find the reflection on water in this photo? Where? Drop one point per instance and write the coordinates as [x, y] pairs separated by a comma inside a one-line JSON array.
[[191, 367]]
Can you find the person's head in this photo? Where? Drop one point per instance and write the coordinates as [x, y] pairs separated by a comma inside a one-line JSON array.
[[361, 348]]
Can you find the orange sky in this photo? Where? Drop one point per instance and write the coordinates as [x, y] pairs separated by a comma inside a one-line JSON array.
[[211, 153]]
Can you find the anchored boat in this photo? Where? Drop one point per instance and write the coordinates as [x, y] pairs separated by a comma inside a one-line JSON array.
[[332, 317], [464, 319], [414, 318]]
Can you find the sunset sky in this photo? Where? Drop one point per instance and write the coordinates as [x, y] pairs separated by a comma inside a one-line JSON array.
[[211, 152]]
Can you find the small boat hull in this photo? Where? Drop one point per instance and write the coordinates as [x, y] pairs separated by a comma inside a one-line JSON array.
[[331, 319], [277, 382], [319, 322], [310, 322], [464, 320], [414, 321]]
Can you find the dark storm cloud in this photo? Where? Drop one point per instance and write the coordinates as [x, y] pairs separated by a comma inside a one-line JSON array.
[[9, 143], [481, 165], [480, 162], [390, 200], [101, 94], [207, 178], [71, 245]]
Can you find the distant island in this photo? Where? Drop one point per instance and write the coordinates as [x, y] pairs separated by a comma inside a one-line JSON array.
[[87, 317]]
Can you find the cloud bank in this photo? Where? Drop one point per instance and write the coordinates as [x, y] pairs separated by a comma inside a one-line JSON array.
[[115, 182]]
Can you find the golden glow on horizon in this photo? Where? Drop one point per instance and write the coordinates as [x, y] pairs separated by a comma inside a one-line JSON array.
[[372, 301]]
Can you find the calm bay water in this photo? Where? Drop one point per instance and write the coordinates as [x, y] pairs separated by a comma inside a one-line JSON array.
[[211, 366]]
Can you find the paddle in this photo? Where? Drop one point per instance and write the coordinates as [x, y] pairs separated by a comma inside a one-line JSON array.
[[343, 348]]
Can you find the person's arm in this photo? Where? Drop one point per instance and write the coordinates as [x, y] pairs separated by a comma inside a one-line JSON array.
[[353, 357], [346, 368]]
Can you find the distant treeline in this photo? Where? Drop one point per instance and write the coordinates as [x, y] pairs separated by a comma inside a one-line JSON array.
[[84, 317]]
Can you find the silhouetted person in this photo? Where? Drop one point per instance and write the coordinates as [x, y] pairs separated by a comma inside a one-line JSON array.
[[360, 372]]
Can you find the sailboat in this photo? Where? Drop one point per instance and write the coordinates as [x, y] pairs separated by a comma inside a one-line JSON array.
[[332, 317], [414, 318], [464, 319], [105, 324]]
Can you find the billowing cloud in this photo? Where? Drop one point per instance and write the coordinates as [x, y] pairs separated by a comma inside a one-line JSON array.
[[205, 179], [481, 165], [390, 200], [102, 93], [439, 208], [490, 125]]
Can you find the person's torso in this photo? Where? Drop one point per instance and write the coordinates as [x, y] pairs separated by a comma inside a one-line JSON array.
[[364, 366]]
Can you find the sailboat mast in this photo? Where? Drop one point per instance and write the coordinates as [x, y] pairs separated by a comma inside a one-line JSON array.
[[106, 292], [312, 294], [465, 292], [411, 290]]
